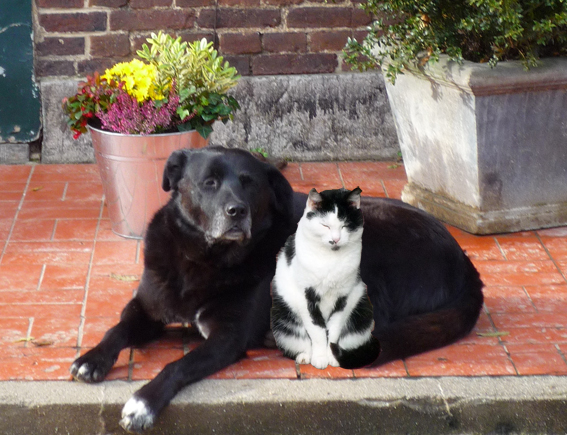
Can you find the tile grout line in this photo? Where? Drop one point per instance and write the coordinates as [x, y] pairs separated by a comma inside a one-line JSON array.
[[527, 293], [384, 187], [550, 256], [138, 251], [341, 175], [500, 248], [500, 342], [130, 364], [301, 172], [406, 368], [14, 220], [561, 354], [29, 331], [41, 276], [65, 191], [87, 281], [52, 239]]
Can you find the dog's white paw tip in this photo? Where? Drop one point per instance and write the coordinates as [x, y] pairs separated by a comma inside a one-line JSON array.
[[83, 370], [136, 415]]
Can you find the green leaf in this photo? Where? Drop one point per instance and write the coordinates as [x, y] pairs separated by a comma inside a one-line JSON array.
[[204, 130], [186, 126], [183, 113], [209, 117]]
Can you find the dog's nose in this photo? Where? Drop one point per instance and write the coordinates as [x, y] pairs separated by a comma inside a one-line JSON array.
[[236, 210]]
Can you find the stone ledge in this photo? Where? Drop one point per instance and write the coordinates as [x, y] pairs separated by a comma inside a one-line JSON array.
[[300, 117]]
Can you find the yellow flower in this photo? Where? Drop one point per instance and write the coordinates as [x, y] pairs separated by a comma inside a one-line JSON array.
[[138, 78]]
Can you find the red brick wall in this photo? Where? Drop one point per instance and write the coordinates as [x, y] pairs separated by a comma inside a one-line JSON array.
[[258, 37]]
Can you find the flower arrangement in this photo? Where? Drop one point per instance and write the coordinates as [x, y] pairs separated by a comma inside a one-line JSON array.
[[175, 86], [410, 33]]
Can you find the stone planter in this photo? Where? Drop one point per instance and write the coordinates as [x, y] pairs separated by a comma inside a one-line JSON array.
[[485, 149], [131, 169]]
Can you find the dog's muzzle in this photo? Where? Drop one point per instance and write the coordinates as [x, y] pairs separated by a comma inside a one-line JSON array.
[[233, 224]]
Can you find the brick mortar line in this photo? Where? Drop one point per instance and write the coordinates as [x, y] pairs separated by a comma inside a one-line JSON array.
[[308, 5], [221, 31]]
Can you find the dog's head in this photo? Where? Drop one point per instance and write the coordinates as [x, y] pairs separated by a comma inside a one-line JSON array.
[[227, 194]]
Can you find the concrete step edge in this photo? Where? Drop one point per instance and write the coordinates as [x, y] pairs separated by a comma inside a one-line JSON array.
[[451, 405]]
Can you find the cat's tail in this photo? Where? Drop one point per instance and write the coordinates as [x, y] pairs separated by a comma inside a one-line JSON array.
[[420, 333], [359, 356]]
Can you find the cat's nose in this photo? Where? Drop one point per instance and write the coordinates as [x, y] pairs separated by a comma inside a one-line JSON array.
[[335, 240]]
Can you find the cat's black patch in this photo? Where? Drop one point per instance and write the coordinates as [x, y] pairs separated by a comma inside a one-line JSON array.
[[280, 308], [289, 249], [310, 215], [340, 304], [358, 357], [283, 319], [361, 317], [313, 300], [351, 216]]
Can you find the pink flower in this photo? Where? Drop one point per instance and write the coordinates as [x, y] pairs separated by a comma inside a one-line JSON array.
[[127, 116]]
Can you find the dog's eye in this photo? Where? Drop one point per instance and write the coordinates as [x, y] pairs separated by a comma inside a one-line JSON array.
[[210, 182]]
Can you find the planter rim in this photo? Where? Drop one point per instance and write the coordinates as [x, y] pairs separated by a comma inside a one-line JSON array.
[[506, 77], [173, 133]]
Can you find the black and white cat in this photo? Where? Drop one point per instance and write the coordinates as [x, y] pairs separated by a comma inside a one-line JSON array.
[[321, 313]]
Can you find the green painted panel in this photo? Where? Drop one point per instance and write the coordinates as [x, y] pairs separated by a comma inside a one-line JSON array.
[[20, 106]]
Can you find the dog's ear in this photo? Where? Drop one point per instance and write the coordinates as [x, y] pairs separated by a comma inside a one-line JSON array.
[[282, 193], [174, 169]]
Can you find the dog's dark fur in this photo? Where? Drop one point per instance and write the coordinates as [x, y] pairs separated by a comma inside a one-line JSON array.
[[210, 255]]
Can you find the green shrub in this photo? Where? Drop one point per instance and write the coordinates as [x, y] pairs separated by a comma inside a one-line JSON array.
[[200, 76], [413, 32]]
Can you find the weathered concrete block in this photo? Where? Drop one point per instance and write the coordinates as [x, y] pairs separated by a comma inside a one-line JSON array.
[[58, 143], [14, 153], [305, 117], [313, 117]]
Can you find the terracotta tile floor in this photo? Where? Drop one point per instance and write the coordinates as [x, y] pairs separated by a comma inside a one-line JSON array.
[[64, 277]]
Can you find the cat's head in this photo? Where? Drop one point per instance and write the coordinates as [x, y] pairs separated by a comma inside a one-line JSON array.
[[334, 216]]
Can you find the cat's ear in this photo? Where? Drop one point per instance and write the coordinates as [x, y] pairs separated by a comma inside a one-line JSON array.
[[314, 199], [354, 197]]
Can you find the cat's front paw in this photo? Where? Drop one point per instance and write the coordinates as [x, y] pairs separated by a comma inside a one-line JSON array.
[[303, 358], [319, 361], [331, 358]]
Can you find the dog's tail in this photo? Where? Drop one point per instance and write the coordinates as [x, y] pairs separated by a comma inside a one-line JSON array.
[[420, 333], [359, 356]]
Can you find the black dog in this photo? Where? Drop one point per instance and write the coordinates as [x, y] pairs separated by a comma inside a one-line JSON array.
[[210, 256]]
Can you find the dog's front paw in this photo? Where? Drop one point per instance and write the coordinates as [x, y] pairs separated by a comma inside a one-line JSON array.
[[137, 415], [92, 366]]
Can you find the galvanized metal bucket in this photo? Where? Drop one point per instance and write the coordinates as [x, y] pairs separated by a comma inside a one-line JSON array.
[[131, 168]]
